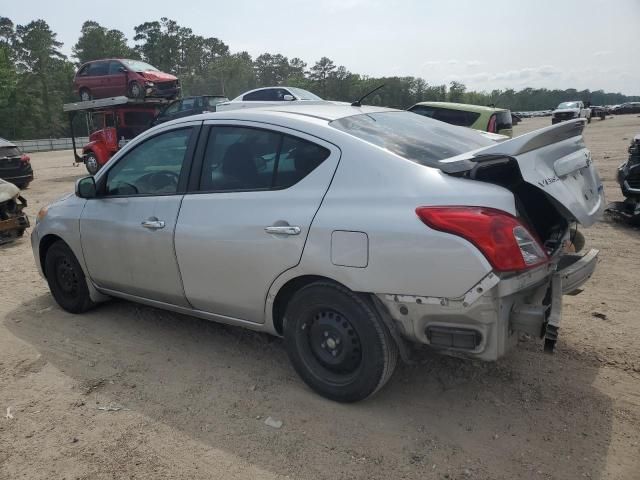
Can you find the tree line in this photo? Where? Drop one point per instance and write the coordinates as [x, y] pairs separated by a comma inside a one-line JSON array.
[[36, 77]]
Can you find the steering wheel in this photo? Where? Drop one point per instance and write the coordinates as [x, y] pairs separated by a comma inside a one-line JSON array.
[[160, 179]]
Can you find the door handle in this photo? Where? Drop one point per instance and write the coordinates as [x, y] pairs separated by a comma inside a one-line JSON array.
[[283, 230], [153, 223]]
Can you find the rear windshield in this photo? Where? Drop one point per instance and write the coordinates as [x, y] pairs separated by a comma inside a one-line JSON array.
[[461, 118], [9, 152], [503, 120], [414, 137], [303, 94]]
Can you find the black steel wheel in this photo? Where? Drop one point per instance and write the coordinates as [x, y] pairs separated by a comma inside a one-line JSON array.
[[338, 343], [66, 279]]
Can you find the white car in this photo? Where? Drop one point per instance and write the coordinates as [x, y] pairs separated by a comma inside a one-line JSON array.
[[570, 111], [353, 232], [271, 96]]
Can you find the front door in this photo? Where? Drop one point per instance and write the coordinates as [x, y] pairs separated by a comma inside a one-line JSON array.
[[115, 82], [248, 220], [127, 231]]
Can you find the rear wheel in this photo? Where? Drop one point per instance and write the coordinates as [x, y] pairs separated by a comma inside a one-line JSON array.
[[135, 90], [85, 94], [91, 162], [66, 279], [338, 343]]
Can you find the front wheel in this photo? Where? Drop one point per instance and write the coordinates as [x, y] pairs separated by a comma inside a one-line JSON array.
[[135, 90], [338, 343], [91, 162], [66, 279]]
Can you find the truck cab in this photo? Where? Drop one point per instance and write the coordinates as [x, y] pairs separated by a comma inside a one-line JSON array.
[[570, 111]]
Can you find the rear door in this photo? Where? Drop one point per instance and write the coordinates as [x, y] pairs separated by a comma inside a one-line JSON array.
[[247, 217], [95, 81]]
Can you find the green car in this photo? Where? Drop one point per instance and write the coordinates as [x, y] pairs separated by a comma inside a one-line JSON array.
[[487, 119]]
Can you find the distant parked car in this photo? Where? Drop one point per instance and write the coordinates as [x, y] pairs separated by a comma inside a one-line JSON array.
[[487, 119], [270, 96], [350, 231], [119, 76], [569, 111], [629, 107], [15, 166], [189, 106]]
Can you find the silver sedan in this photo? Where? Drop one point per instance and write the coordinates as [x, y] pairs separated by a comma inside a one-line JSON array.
[[356, 233]]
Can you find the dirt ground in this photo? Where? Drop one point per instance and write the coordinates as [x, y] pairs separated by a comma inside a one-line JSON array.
[[128, 391]]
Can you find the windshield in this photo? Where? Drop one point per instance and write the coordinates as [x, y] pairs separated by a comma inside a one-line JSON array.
[[138, 66], [414, 137], [303, 94], [568, 105]]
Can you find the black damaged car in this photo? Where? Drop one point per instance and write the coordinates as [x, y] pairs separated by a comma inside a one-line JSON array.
[[15, 167]]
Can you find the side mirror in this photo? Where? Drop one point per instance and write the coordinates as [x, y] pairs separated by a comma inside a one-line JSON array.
[[122, 69], [288, 98], [86, 187]]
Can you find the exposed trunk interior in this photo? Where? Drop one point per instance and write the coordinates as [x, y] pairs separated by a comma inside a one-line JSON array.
[[536, 210]]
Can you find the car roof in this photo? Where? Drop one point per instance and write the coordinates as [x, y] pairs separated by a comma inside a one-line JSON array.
[[462, 106], [328, 111]]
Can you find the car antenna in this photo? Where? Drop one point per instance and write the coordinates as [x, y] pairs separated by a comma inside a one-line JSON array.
[[358, 103]]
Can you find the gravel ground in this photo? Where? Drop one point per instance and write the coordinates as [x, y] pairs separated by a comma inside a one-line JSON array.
[[127, 391]]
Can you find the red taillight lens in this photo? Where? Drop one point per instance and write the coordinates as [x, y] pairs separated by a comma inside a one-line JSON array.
[[492, 127], [502, 239], [25, 159]]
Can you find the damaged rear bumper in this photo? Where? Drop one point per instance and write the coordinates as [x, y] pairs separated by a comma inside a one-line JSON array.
[[485, 322]]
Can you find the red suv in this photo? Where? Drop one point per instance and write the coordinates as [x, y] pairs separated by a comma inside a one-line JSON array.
[[119, 76]]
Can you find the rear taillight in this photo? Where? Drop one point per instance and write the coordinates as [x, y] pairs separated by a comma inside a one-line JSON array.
[[25, 159], [492, 127], [501, 238]]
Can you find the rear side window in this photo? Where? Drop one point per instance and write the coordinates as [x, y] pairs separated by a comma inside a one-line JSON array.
[[98, 69], [411, 136], [241, 159]]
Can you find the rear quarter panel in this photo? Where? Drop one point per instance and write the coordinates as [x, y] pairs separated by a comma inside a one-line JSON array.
[[376, 192]]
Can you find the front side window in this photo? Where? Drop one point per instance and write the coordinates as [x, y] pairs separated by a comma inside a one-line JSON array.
[[263, 95], [97, 69], [240, 159], [114, 68], [173, 108], [151, 168]]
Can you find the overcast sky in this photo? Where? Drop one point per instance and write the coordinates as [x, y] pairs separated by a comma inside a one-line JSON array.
[[491, 44]]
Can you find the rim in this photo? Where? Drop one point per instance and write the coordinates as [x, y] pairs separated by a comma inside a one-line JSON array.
[[333, 342], [66, 276], [92, 164], [85, 96], [135, 89]]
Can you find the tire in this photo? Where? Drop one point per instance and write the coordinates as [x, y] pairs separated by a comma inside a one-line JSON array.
[[66, 279], [135, 90], [85, 95], [337, 342], [91, 162]]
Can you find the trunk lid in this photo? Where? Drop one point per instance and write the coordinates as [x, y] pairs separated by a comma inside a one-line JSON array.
[[554, 160]]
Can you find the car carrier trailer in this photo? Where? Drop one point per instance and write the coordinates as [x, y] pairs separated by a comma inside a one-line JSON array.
[[112, 122]]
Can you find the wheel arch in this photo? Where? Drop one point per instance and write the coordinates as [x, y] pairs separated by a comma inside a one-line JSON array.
[[279, 300], [43, 248]]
